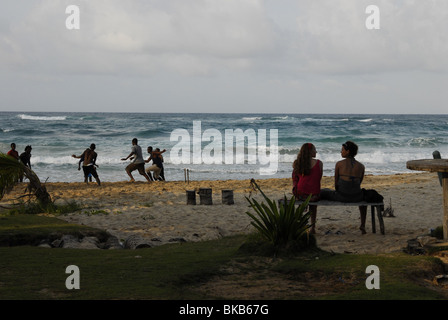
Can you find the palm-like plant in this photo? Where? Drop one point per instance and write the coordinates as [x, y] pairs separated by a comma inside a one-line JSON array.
[[279, 225], [12, 170]]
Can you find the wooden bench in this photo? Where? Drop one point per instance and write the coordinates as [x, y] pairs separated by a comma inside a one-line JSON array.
[[376, 205]]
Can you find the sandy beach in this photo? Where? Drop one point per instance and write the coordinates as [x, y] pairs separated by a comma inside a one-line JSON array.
[[159, 211]]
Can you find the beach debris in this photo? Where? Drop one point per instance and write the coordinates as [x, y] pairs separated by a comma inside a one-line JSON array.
[[414, 247], [419, 245], [441, 280], [389, 211]]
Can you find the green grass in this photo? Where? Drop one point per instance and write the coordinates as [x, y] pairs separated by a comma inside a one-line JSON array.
[[174, 271], [26, 229]]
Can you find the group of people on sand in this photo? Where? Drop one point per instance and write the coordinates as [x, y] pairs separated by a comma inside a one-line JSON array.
[[348, 176], [138, 162], [88, 160], [24, 157]]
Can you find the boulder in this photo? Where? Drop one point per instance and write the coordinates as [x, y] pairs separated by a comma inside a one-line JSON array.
[[137, 242]]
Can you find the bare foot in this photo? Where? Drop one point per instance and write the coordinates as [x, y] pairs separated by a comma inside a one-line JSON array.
[[363, 230]]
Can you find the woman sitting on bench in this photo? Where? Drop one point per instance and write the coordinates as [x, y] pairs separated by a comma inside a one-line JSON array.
[[348, 176], [306, 177]]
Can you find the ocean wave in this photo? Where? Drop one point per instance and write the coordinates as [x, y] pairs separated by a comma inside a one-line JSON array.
[[423, 142], [325, 120], [41, 118], [251, 118]]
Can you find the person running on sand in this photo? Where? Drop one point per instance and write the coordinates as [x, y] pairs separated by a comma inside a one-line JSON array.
[[157, 165], [306, 177], [138, 163], [89, 164]]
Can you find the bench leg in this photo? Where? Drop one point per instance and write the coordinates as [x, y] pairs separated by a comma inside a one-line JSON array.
[[372, 209], [380, 218]]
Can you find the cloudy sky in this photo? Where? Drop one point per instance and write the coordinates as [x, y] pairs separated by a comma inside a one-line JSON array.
[[283, 56]]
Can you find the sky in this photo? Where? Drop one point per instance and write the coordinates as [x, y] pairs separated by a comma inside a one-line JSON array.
[[245, 56]]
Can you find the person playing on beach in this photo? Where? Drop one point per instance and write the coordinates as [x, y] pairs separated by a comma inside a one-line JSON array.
[[25, 158], [138, 163], [13, 152], [162, 171], [157, 162], [81, 160], [348, 176], [306, 176], [89, 164]]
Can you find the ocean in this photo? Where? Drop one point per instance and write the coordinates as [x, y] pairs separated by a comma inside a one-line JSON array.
[[219, 146]]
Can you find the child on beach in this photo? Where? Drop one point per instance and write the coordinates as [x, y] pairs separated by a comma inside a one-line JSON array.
[[306, 176]]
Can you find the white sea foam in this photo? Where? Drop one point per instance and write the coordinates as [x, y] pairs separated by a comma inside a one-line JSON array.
[[41, 118]]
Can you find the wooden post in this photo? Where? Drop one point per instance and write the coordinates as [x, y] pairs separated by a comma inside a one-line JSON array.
[[227, 197], [445, 207], [436, 155], [191, 197], [205, 195]]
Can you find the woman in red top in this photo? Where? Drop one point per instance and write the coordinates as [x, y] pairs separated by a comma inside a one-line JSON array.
[[306, 177]]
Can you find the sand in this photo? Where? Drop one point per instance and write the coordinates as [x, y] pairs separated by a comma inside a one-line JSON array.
[[159, 210]]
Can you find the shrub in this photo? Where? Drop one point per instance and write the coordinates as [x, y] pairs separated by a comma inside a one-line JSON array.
[[282, 225]]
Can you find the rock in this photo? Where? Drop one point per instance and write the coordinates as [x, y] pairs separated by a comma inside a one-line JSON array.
[[89, 243], [136, 242], [112, 243], [56, 243], [414, 247]]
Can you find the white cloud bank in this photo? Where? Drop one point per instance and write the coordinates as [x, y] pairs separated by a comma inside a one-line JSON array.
[[254, 55]]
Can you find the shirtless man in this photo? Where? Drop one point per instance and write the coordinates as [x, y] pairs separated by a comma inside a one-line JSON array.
[[89, 164]]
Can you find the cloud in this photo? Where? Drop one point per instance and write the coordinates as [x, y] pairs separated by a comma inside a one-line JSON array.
[[332, 37], [271, 55], [188, 37]]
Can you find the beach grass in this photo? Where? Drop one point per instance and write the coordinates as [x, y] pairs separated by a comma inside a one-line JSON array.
[[217, 269]]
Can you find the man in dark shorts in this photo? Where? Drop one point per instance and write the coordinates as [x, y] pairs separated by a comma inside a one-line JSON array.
[[89, 164], [138, 163]]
